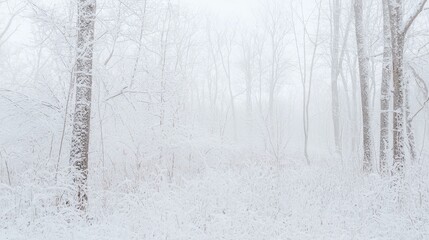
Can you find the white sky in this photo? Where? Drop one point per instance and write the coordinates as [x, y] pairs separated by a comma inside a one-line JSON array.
[[242, 9]]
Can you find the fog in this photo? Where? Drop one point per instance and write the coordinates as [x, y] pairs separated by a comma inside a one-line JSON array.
[[214, 119]]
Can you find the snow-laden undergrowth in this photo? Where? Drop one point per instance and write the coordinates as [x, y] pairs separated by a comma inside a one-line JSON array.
[[252, 202]]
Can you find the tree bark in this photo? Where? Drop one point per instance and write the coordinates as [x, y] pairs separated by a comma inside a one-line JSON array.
[[82, 115], [395, 10], [398, 31], [385, 92], [363, 59]]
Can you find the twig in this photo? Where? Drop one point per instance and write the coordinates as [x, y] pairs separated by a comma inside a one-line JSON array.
[[7, 169], [415, 114], [118, 94], [71, 85]]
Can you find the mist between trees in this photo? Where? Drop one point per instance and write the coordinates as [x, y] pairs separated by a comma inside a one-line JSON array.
[[302, 120]]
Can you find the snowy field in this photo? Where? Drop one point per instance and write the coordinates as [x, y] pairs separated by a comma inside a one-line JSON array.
[[252, 202]]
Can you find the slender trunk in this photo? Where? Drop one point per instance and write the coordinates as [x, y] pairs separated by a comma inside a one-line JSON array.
[[273, 77], [213, 85], [410, 133], [355, 109], [310, 80], [272, 83], [139, 46], [271, 103], [232, 102], [302, 63], [226, 64], [395, 10], [82, 116], [411, 141], [334, 75], [364, 77], [163, 84], [249, 107], [260, 71], [385, 92], [354, 103]]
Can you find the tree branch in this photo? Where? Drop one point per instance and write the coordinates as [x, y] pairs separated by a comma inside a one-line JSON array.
[[410, 19], [415, 114], [9, 23], [419, 80]]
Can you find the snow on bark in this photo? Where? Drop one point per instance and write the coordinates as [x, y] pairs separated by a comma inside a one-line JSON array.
[[395, 10], [385, 92], [400, 123], [82, 115], [409, 127], [413, 15]]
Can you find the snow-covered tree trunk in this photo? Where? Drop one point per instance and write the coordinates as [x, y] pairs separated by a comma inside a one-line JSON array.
[[335, 46], [398, 31], [395, 8], [385, 91], [364, 77], [82, 115]]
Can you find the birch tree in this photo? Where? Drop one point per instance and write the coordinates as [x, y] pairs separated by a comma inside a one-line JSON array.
[[363, 59], [83, 75]]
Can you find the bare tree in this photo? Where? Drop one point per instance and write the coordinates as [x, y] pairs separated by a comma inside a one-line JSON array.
[[306, 80], [248, 54], [225, 41], [248, 66], [212, 72], [385, 90], [276, 31], [399, 28], [274, 48], [364, 89], [82, 115], [425, 92], [335, 69], [409, 127], [344, 59], [6, 32]]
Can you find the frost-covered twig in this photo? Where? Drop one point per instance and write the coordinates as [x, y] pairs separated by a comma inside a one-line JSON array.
[[421, 108], [410, 19]]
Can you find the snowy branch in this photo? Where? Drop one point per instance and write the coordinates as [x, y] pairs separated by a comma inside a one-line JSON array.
[[9, 23], [410, 19], [421, 108]]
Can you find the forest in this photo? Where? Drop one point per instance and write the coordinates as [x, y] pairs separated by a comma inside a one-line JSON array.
[[214, 119]]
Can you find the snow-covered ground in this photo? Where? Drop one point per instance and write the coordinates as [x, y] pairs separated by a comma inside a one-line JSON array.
[[252, 202]]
